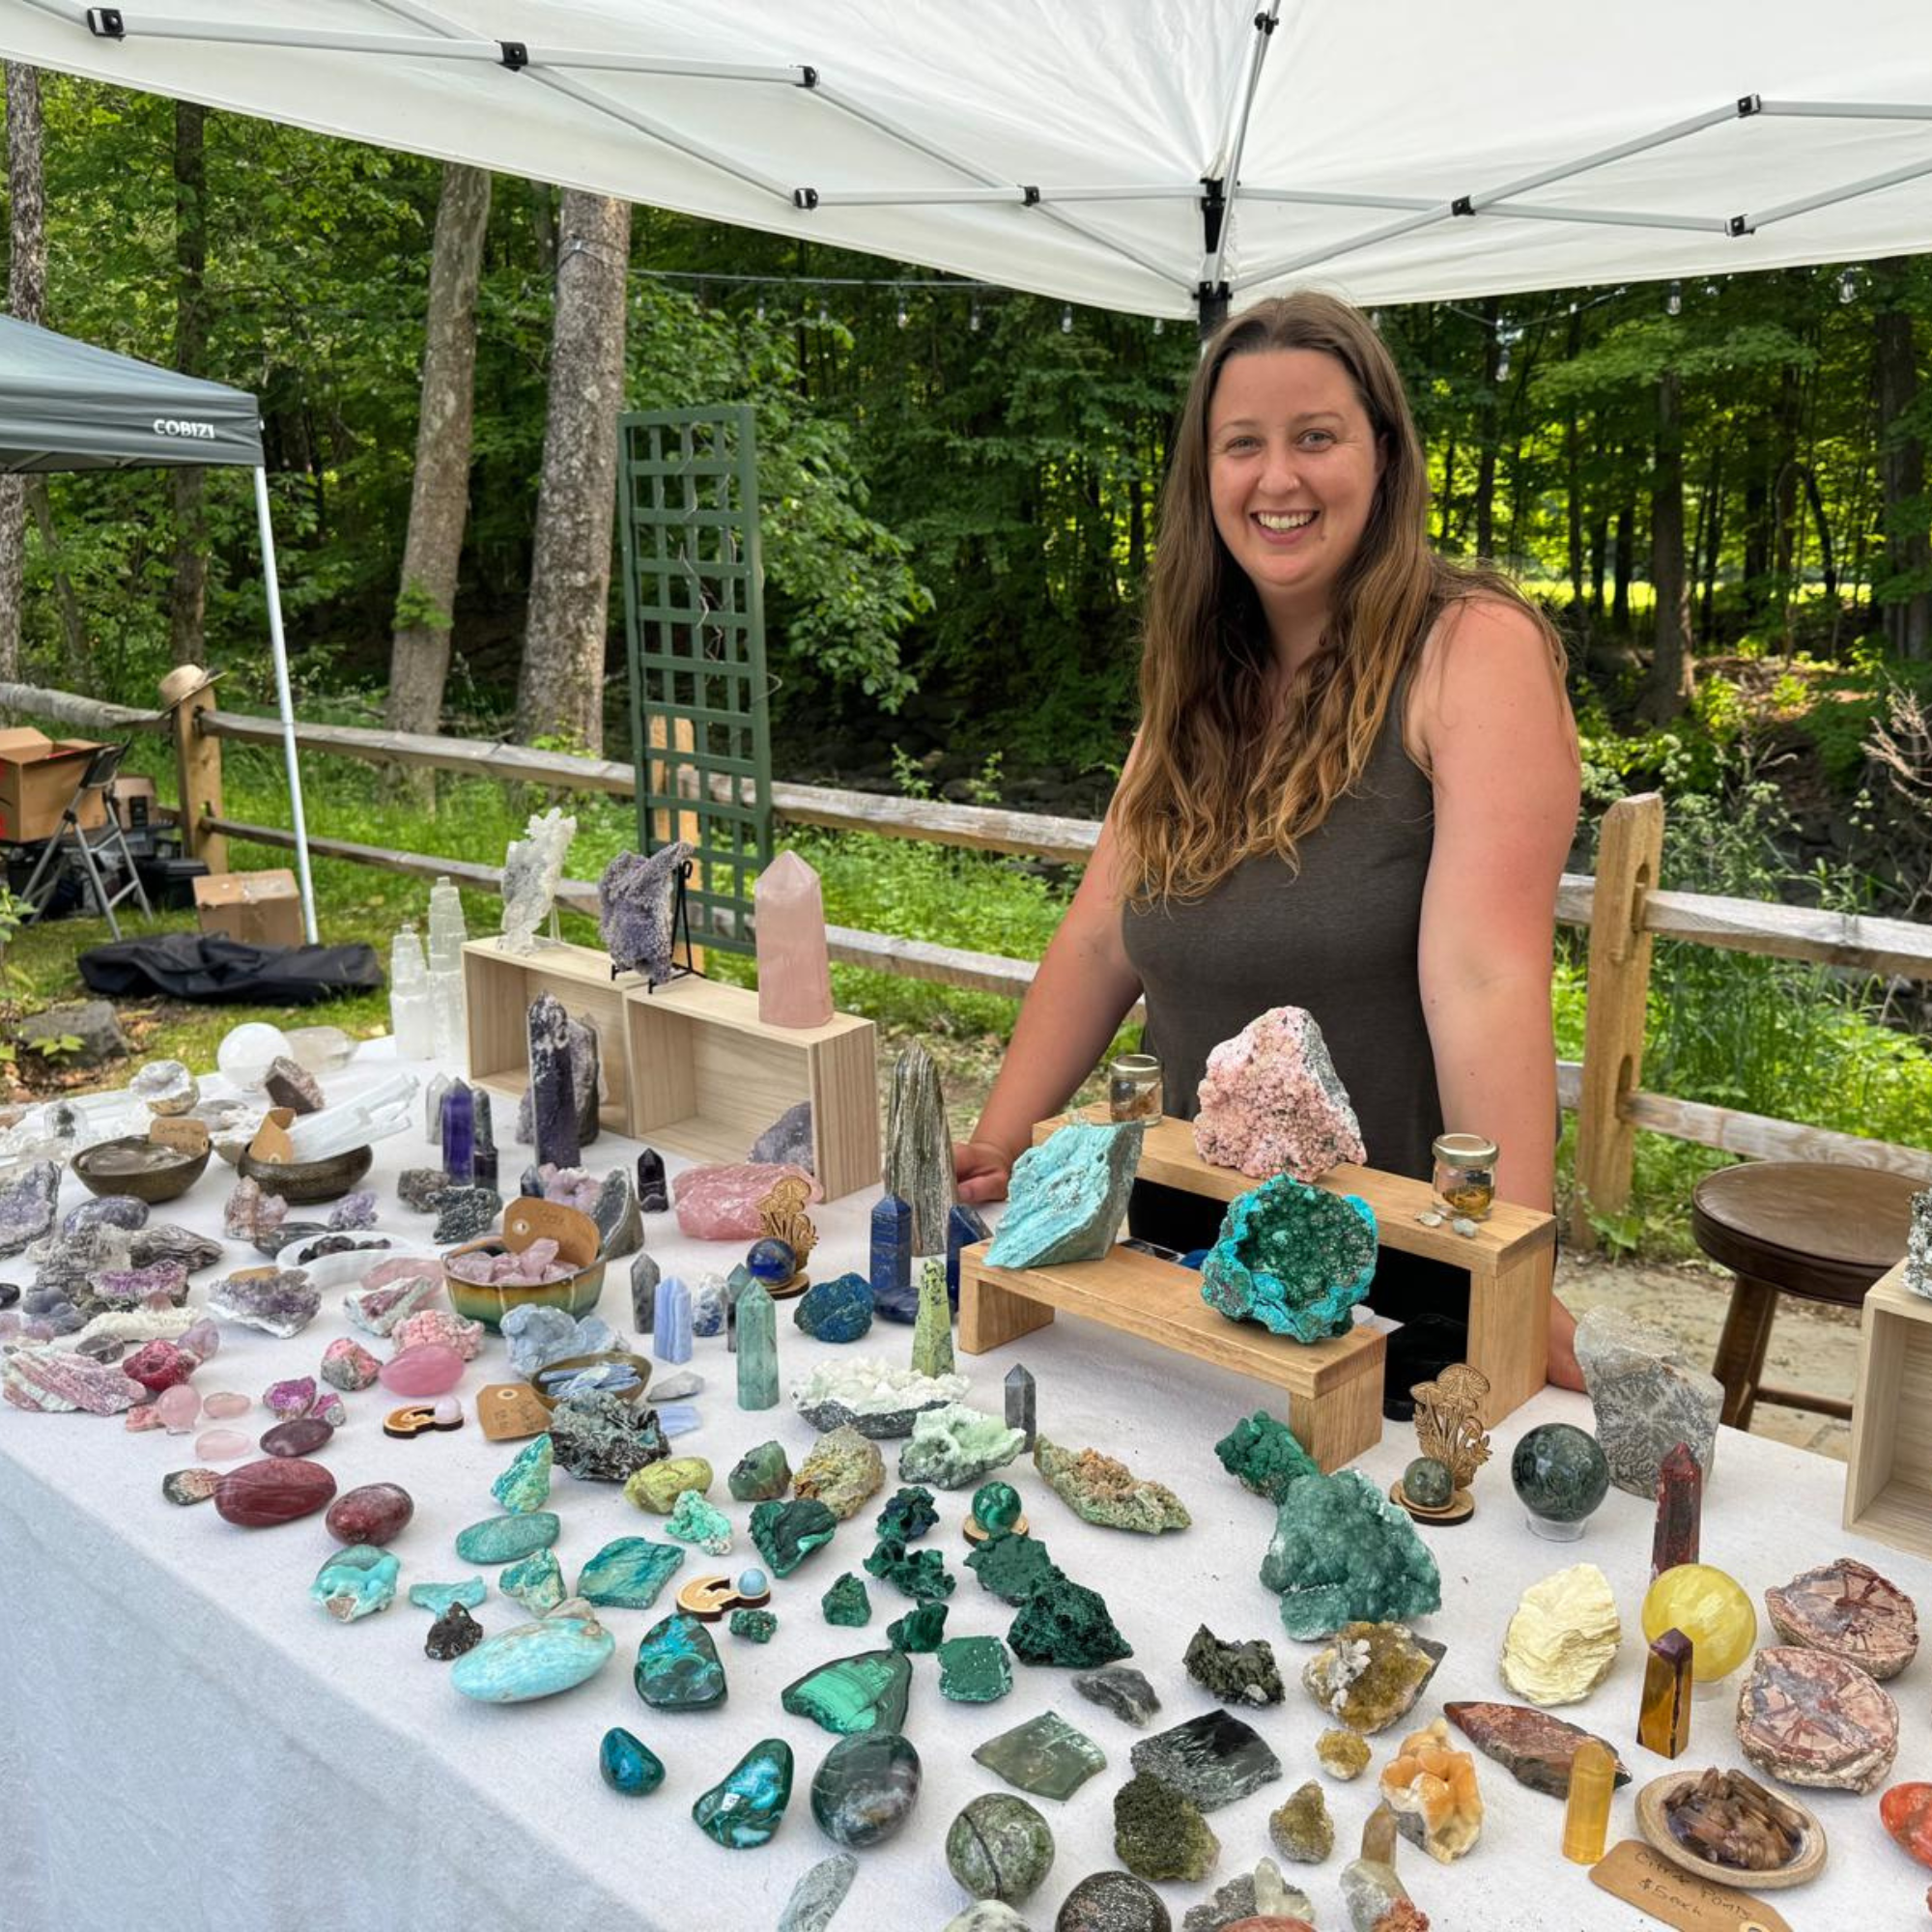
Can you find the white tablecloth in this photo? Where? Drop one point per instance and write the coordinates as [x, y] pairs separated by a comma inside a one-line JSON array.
[[187, 1741]]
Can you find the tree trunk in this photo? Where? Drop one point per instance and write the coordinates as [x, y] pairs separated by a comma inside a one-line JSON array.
[[1600, 545], [1669, 685], [1620, 579], [1714, 545], [1486, 462], [74, 632], [439, 491], [26, 297], [1828, 561], [561, 692], [1903, 585], [1758, 517], [187, 599]]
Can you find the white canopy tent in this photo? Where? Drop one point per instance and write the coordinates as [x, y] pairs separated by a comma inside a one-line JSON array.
[[1151, 155]]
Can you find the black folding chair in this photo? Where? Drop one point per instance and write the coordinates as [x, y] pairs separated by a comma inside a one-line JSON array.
[[74, 853]]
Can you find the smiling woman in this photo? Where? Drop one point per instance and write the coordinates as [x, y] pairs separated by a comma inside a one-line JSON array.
[[1352, 790]]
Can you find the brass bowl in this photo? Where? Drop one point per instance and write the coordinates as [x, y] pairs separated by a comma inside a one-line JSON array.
[[300, 1181], [526, 1220], [139, 1167], [638, 1362]]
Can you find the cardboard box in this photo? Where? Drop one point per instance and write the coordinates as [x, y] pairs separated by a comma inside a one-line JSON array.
[[264, 908], [38, 775], [136, 799]]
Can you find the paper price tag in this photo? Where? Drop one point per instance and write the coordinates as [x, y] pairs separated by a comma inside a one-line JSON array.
[[1643, 1878], [183, 1135]]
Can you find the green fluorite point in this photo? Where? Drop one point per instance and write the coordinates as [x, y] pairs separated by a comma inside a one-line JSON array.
[[787, 1533], [757, 1350], [932, 1327], [849, 1602], [865, 1692], [745, 1808], [1067, 1196], [677, 1666], [1342, 1552], [525, 1485], [975, 1669], [919, 1631], [1294, 1257], [1011, 1567], [628, 1573], [1066, 1623], [1262, 1454], [1046, 1756]]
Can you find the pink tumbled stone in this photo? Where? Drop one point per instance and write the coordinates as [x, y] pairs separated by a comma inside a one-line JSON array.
[[1272, 1102], [143, 1416], [226, 1403], [178, 1408], [221, 1445], [376, 1513], [427, 1369], [721, 1204], [442, 1327], [794, 976]]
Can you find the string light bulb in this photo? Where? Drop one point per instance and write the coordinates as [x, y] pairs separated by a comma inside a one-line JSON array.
[[1673, 302], [902, 312], [973, 319], [1161, 325], [1066, 320], [1848, 286]]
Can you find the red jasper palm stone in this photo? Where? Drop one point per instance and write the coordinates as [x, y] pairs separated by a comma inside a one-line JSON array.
[[258, 1496]]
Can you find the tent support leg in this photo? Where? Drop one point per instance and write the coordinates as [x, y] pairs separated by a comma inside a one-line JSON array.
[[284, 702]]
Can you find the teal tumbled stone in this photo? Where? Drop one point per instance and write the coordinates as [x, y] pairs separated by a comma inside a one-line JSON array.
[[436, 1597], [504, 1539], [535, 1660], [1342, 1553], [677, 1668], [356, 1582], [787, 1533], [629, 1765], [525, 1485], [1294, 1257], [628, 1573], [745, 1808], [1067, 1196], [536, 1582]]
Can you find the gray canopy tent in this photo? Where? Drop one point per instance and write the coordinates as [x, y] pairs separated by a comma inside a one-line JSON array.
[[66, 405]]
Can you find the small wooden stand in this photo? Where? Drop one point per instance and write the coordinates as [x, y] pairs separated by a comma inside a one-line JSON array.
[[1888, 1479], [499, 988]]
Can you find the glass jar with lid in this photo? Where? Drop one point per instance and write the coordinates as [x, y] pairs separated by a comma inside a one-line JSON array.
[[1465, 1174], [1134, 1088]]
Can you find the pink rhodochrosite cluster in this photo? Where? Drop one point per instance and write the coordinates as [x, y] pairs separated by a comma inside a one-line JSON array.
[[1272, 1104]]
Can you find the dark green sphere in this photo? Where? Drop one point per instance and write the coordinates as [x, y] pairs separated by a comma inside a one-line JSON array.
[[1559, 1472], [1426, 1484], [996, 1506]]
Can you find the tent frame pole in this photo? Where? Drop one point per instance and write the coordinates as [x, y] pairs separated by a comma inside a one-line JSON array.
[[285, 702]]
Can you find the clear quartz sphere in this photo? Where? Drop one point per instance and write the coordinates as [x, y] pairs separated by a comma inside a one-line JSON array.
[[246, 1051]]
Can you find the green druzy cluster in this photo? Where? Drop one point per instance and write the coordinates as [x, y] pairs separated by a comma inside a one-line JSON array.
[[1293, 1258]]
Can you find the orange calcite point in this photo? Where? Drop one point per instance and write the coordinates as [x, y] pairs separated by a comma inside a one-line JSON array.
[[794, 976], [1587, 1816], [1430, 1789], [1906, 1812]]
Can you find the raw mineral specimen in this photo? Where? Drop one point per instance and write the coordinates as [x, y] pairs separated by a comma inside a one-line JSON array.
[[847, 1603], [1301, 1828], [111, 1211], [908, 1515], [954, 1447], [843, 1471], [1563, 1640], [532, 866], [839, 1310], [465, 1213], [1271, 1101], [1680, 1508], [1294, 1257], [525, 1485], [820, 1892], [619, 1225], [628, 1573], [1918, 1245], [532, 1660], [865, 1692], [974, 1669], [677, 1668], [1647, 1398], [157, 1365], [454, 1634], [1534, 1747], [1122, 1689], [658, 1486], [1113, 1901], [919, 1574], [932, 1327], [998, 1847], [1064, 1623], [123, 1288], [554, 1102], [922, 1630], [538, 1336], [760, 1475], [1262, 1454], [167, 1086], [27, 1206], [1237, 1673], [787, 1140], [1046, 1756], [417, 1188], [356, 1582], [1158, 1833], [721, 1204], [1371, 1674], [278, 1301], [436, 1597], [1068, 1196], [1212, 1759], [1343, 1754], [603, 1439], [1732, 1820], [787, 1533], [1810, 1718], [879, 1399], [1342, 1552], [290, 1084], [637, 903], [443, 1327], [584, 1053], [1259, 1894], [504, 1539], [694, 1522], [919, 1149], [57, 1380], [1013, 1567], [376, 1308], [1431, 1787], [1844, 1608], [1099, 1490], [1906, 1812], [252, 1215], [355, 1211], [191, 1485]]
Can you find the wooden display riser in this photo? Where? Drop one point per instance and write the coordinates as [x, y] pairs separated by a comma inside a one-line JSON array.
[[1334, 1388], [1889, 1477], [498, 988]]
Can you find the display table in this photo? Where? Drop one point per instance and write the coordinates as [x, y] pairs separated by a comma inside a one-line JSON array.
[[187, 1742]]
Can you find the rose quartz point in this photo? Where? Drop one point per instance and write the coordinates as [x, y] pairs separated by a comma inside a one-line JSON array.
[[428, 1368], [794, 972]]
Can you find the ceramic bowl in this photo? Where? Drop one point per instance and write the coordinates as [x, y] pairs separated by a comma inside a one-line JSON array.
[[526, 1220], [1806, 1863], [641, 1363], [143, 1168], [304, 1180]]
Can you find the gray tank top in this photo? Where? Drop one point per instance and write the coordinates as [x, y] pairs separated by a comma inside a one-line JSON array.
[[1338, 936]]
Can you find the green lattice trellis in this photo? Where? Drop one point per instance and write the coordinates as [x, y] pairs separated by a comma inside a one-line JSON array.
[[694, 612]]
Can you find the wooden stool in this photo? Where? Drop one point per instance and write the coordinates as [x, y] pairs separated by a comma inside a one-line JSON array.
[[1803, 1228]]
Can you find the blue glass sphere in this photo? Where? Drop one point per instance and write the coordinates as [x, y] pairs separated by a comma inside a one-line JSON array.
[[772, 1260]]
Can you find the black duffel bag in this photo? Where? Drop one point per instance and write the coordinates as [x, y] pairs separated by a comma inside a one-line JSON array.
[[210, 966]]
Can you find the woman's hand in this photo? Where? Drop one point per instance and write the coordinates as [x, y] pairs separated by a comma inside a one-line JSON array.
[[981, 1169], [1563, 1369]]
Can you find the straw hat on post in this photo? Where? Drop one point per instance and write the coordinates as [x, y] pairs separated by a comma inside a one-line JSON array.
[[183, 682]]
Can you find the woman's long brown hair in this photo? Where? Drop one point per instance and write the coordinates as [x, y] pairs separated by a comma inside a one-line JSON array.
[[1221, 773]]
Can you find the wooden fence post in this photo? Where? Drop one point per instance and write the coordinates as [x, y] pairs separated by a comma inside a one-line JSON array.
[[1628, 856], [198, 768]]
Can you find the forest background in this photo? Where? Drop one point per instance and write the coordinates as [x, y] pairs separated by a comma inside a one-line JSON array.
[[1717, 488]]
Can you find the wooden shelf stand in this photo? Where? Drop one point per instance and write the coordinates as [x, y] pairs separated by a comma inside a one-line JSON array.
[[499, 988], [1888, 1474]]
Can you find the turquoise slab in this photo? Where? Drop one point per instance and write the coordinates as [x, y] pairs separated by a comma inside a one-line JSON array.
[[1068, 1196], [436, 1597], [504, 1539], [536, 1582], [356, 1582], [629, 1765], [746, 1807], [525, 1485], [677, 1666], [628, 1573], [533, 1661]]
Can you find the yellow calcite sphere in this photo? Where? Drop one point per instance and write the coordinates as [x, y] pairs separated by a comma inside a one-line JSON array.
[[1712, 1609]]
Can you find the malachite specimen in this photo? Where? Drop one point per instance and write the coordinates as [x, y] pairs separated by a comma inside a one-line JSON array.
[[746, 1807], [954, 1447], [504, 1539], [757, 1348], [694, 1521], [865, 1789], [1559, 1474], [753, 1626], [787, 1533], [974, 1669], [1068, 1196], [843, 1471], [677, 1668], [1158, 1833], [1262, 1454], [1212, 1760], [919, 1574], [1066, 1623], [849, 1602], [919, 1631], [908, 1515], [865, 1692], [628, 1573], [1096, 1489], [628, 1765], [760, 1475], [525, 1485], [1294, 1257], [1000, 1847], [996, 1507], [1342, 1552], [932, 1327], [536, 1582], [356, 1582], [1046, 1756], [1011, 1567], [533, 1661]]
